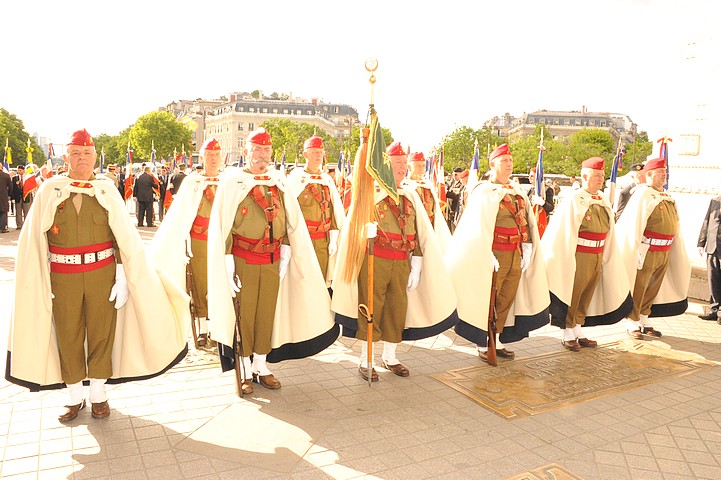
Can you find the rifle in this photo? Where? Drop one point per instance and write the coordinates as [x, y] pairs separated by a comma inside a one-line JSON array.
[[190, 286], [491, 354], [238, 349]]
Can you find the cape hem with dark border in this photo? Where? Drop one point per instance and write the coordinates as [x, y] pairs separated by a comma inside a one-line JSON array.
[[524, 325], [559, 311], [669, 309], [350, 327], [289, 351], [34, 387]]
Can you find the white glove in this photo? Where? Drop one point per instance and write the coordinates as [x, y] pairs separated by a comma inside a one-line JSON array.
[[332, 242], [494, 262], [285, 252], [415, 277], [537, 200], [526, 251], [119, 292], [233, 279], [642, 250], [371, 230], [702, 252]]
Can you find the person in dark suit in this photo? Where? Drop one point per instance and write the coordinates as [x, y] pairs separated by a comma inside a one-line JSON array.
[[5, 187], [144, 192], [709, 245], [177, 179], [22, 204], [163, 179], [639, 176]]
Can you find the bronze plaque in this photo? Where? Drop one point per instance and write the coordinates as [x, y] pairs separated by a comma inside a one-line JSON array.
[[553, 471], [528, 386]]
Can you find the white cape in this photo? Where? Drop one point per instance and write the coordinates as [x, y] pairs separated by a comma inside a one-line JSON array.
[[303, 323], [612, 298], [150, 332], [431, 306], [297, 180], [672, 297], [440, 227], [469, 262]]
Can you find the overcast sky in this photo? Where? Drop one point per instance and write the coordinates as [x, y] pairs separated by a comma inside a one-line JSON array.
[[443, 64]]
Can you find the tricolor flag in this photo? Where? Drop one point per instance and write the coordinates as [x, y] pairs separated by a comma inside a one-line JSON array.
[[48, 172], [475, 171], [663, 153], [32, 179], [617, 165], [540, 189], [102, 160], [129, 178]]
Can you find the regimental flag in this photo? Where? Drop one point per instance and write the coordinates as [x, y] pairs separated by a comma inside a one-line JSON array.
[[617, 165], [32, 179], [378, 165], [47, 170], [129, 178], [183, 156], [540, 189], [7, 156], [663, 153], [282, 163], [29, 151]]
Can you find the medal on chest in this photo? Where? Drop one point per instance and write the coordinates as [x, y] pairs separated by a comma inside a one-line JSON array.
[[244, 211]]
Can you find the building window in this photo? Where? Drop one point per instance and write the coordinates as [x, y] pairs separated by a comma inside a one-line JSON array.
[[241, 109], [578, 122], [285, 111], [298, 112], [240, 127], [603, 123], [555, 121], [336, 109], [265, 110], [309, 112], [592, 123], [531, 121], [251, 109], [567, 121], [275, 110], [542, 121], [251, 127]]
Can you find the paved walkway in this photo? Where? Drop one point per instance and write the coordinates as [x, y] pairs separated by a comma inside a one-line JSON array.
[[327, 423]]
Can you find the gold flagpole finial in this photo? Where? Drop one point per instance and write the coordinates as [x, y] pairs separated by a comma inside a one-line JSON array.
[[371, 66]]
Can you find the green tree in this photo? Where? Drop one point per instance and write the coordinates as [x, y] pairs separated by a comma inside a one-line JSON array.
[[587, 143], [161, 130], [459, 146], [12, 131]]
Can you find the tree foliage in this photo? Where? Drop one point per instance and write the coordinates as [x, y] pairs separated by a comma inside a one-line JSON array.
[[12, 131], [162, 130]]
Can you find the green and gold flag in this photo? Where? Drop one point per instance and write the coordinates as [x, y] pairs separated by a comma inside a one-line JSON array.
[[378, 165]]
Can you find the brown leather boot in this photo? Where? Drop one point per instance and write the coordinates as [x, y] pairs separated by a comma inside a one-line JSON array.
[[71, 412], [268, 381], [100, 410]]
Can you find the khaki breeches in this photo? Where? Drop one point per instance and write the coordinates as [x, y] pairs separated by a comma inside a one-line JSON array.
[[81, 310], [199, 267], [588, 273], [648, 283], [257, 297], [507, 280], [390, 299]]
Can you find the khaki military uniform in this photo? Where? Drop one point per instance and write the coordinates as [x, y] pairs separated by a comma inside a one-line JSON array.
[[429, 203], [199, 247], [81, 309], [663, 224], [316, 203], [256, 264], [595, 224], [393, 246], [511, 220]]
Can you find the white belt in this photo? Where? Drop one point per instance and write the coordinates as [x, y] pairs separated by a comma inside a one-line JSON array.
[[82, 258], [658, 242], [584, 242]]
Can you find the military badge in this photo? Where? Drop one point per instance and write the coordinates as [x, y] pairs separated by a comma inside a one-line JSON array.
[[55, 229], [243, 211]]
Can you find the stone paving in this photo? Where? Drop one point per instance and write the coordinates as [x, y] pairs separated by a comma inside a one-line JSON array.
[[325, 422]]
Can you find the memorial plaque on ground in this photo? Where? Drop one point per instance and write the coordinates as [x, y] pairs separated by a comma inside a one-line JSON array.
[[528, 386]]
